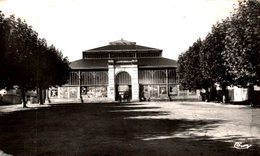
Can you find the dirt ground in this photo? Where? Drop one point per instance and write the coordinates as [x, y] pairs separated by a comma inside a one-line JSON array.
[[154, 128]]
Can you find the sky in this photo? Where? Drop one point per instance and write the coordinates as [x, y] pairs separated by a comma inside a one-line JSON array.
[[73, 26]]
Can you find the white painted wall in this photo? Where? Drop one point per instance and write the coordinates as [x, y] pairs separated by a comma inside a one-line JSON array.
[[133, 72]]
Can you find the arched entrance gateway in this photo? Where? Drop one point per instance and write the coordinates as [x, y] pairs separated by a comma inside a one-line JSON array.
[[123, 86]]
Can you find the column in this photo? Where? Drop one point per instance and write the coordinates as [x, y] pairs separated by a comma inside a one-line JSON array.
[[167, 83], [111, 80], [79, 92], [135, 84]]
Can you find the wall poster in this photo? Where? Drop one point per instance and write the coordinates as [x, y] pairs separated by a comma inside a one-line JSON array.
[[73, 92], [64, 92]]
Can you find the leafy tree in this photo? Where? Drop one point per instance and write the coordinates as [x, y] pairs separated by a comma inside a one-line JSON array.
[[4, 59], [40, 70], [229, 55], [194, 66], [53, 63], [2, 48], [22, 41], [26, 60], [242, 45], [189, 68], [212, 62], [181, 70]]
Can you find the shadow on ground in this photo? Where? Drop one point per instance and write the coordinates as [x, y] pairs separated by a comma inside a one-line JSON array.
[[104, 129]]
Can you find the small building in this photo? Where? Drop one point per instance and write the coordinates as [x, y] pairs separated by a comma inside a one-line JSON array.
[[121, 70]]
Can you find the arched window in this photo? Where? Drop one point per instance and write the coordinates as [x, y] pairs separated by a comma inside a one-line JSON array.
[[123, 78]]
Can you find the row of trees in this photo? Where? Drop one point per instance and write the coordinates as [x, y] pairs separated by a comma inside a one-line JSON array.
[[26, 60], [229, 55]]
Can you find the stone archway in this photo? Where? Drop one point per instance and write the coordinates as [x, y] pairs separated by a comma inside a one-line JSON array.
[[123, 86]]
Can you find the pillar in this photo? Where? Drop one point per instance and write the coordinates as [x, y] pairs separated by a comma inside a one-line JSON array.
[[78, 88], [111, 80], [135, 84]]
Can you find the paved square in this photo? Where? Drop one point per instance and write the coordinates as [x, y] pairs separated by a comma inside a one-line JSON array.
[[155, 128]]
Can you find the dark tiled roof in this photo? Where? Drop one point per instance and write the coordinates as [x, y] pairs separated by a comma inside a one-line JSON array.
[[89, 64], [122, 45], [122, 48], [156, 62]]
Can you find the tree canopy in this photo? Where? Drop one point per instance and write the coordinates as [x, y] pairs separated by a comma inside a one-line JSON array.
[[189, 72], [26, 60], [242, 43], [230, 53]]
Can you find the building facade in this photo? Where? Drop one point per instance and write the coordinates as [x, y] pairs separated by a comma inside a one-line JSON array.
[[119, 71]]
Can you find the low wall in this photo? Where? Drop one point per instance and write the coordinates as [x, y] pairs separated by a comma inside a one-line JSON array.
[[186, 95], [10, 99], [84, 100]]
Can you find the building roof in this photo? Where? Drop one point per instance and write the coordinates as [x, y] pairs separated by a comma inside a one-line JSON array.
[[89, 64], [122, 42], [156, 62], [122, 45], [152, 62]]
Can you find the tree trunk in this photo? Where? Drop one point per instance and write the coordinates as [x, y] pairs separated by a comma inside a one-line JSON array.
[[251, 95], [212, 93], [224, 94], [23, 98], [40, 96], [207, 94]]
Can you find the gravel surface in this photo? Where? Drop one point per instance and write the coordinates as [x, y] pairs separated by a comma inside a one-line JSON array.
[[154, 128]]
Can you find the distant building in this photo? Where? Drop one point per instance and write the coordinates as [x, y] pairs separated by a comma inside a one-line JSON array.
[[119, 71]]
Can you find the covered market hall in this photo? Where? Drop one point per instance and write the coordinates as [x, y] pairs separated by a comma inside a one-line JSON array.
[[119, 71]]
